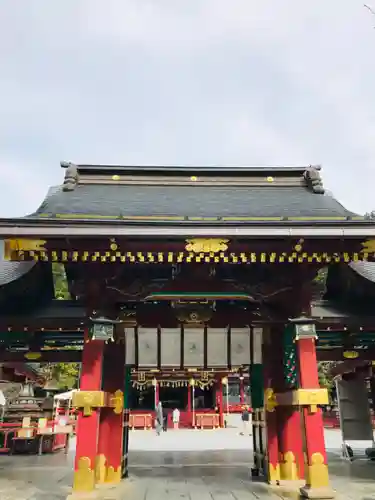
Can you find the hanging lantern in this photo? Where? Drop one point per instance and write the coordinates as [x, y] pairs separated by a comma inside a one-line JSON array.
[[102, 329], [304, 328]]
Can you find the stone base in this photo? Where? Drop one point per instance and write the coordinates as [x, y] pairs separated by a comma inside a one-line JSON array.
[[82, 496], [317, 493]]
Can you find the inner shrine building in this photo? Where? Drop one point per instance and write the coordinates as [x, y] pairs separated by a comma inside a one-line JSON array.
[[182, 280]]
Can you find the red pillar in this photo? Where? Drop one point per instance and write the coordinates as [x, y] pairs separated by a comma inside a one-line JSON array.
[[88, 426], [290, 443], [109, 456], [289, 422], [272, 467], [190, 420], [317, 478]]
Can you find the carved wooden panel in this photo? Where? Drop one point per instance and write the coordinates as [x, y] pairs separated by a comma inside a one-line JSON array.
[[240, 346], [129, 346], [170, 347], [193, 347], [217, 347], [148, 347]]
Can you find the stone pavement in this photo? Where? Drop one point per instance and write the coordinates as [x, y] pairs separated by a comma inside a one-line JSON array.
[[181, 465]]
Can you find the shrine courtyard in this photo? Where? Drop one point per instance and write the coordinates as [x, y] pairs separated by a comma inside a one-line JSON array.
[[179, 465]]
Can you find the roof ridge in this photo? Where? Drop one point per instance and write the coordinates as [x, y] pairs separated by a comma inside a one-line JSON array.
[[218, 169]]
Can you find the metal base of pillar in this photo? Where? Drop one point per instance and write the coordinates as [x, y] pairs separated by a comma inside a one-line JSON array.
[[317, 493]]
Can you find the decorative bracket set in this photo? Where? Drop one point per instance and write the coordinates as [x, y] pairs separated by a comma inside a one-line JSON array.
[[88, 401], [311, 398]]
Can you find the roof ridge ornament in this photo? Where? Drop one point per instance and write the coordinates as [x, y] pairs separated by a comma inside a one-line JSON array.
[[71, 175], [313, 179]]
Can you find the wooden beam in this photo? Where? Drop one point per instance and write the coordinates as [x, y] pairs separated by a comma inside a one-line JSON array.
[[350, 365], [60, 356], [337, 354]]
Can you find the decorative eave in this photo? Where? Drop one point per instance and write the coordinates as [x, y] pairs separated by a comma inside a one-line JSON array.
[[34, 227]]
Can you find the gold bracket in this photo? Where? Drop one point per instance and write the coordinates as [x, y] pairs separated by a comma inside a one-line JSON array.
[[270, 401], [88, 400], [304, 397], [116, 401]]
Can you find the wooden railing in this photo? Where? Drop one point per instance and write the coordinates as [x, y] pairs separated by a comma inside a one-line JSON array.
[[207, 420], [49, 437], [140, 421]]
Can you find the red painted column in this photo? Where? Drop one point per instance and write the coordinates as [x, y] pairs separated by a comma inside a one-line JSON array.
[[109, 456], [88, 426], [271, 465], [289, 424], [316, 470], [290, 443], [189, 408]]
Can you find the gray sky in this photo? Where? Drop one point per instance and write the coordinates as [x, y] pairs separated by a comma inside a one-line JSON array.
[[239, 82]]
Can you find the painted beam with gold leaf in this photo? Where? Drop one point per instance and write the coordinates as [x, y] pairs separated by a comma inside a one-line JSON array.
[[89, 400], [186, 257], [209, 250], [303, 397]]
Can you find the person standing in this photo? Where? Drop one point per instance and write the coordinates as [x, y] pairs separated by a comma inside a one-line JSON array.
[[165, 419], [245, 417], [176, 418], [159, 418]]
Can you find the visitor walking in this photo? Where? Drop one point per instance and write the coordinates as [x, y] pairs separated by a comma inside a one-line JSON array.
[[245, 417], [159, 418], [176, 418]]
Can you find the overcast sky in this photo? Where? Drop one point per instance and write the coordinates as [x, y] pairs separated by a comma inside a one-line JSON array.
[[240, 82]]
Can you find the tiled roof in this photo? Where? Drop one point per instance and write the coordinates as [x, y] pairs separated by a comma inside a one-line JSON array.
[[364, 269], [178, 193], [190, 201]]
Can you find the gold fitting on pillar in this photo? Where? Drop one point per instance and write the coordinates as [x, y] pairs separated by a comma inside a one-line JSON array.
[[100, 469], [106, 473], [273, 473], [317, 472], [288, 467], [270, 401], [304, 397], [116, 401], [88, 400], [113, 475], [84, 476]]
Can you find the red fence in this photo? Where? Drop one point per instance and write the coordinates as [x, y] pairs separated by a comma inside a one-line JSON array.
[[47, 439]]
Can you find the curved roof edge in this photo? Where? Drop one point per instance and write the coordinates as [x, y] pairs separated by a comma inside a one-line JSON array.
[[364, 269], [12, 271]]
